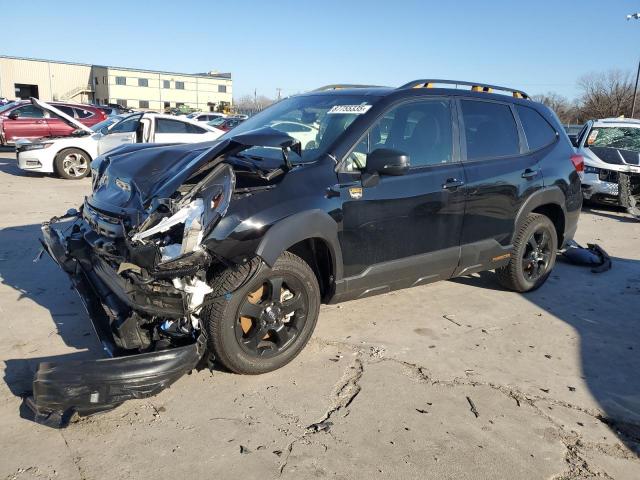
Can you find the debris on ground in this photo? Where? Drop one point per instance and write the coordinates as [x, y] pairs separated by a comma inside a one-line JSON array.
[[451, 319], [474, 410], [593, 256], [320, 427]]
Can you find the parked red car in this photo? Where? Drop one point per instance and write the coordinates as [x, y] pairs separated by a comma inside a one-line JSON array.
[[22, 119]]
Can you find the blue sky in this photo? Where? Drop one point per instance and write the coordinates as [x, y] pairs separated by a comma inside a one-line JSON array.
[[537, 46]]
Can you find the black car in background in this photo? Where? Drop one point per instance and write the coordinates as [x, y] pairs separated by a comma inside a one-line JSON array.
[[230, 247]]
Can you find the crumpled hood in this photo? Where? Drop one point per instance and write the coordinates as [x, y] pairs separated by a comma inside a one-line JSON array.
[[616, 156], [153, 171]]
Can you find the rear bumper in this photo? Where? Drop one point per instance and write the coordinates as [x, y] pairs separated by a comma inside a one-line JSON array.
[[87, 387]]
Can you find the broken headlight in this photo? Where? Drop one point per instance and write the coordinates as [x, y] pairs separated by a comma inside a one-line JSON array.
[[198, 211]]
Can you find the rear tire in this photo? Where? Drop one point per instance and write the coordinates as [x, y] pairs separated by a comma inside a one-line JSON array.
[[72, 164], [255, 327], [533, 255]]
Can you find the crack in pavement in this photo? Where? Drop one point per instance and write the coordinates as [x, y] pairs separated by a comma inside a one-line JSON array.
[[345, 392], [348, 388]]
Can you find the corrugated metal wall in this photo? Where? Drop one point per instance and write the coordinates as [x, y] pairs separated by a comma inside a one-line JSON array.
[[54, 80]]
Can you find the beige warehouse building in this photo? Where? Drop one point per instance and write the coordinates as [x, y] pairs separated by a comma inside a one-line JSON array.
[[135, 88]]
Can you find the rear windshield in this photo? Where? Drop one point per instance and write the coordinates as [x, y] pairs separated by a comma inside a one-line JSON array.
[[325, 117]]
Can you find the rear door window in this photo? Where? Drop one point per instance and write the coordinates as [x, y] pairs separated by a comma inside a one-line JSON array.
[[537, 130], [65, 110], [164, 125], [490, 130]]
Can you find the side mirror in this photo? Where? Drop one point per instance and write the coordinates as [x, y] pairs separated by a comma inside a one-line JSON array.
[[386, 161], [104, 130], [14, 115]]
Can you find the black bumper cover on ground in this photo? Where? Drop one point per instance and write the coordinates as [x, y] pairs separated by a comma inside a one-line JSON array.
[[88, 387]]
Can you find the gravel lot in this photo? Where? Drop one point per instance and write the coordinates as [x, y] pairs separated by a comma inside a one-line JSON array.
[[387, 388]]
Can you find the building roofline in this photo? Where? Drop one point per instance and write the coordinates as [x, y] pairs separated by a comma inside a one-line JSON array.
[[223, 76]]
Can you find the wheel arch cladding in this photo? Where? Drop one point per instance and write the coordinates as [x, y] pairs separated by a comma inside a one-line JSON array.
[[302, 233], [549, 202]]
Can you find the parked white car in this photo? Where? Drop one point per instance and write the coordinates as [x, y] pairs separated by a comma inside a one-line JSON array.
[[205, 116], [611, 150], [70, 157], [305, 134]]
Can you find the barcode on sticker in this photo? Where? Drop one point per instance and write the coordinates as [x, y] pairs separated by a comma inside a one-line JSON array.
[[354, 109]]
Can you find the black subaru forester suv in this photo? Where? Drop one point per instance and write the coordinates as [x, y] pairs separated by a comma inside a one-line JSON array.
[[230, 247]]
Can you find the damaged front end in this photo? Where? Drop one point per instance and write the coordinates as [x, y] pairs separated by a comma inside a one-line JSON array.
[[137, 257]]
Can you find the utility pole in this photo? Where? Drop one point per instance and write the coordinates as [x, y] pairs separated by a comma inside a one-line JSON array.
[[635, 16], [279, 90]]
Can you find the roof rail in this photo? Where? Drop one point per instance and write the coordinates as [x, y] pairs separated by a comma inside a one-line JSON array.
[[340, 86], [475, 86]]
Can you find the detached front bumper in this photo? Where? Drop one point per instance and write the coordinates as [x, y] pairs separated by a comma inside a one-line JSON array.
[[87, 387]]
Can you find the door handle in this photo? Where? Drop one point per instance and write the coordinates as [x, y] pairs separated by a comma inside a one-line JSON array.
[[530, 173], [451, 183], [39, 121]]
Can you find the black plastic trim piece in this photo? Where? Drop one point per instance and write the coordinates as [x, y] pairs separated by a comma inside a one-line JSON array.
[[93, 386], [299, 227]]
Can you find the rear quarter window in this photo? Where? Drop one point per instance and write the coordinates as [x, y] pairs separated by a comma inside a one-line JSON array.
[[490, 130], [538, 131]]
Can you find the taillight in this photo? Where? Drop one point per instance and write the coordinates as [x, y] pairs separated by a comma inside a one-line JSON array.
[[578, 163]]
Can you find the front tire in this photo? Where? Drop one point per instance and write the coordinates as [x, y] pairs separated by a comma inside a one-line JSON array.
[[533, 255], [260, 318], [72, 164]]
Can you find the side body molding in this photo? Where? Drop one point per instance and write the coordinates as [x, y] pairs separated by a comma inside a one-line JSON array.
[[299, 227]]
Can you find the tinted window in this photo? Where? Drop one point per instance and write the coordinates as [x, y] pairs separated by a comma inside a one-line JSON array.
[[82, 113], [122, 102], [30, 111], [143, 82], [164, 125], [537, 130], [194, 129], [166, 84], [144, 103], [490, 129], [63, 109], [180, 85], [420, 129], [121, 80], [126, 126], [222, 89]]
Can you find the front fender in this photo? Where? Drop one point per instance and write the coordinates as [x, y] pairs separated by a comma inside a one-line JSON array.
[[298, 227]]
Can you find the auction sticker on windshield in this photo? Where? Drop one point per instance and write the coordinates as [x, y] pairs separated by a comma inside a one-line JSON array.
[[357, 109]]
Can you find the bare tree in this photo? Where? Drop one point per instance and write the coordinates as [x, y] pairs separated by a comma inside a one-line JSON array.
[[249, 103], [568, 112], [606, 94]]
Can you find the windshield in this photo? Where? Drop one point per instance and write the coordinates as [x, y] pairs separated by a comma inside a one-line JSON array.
[[621, 138], [7, 106], [105, 123], [216, 121], [315, 120]]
